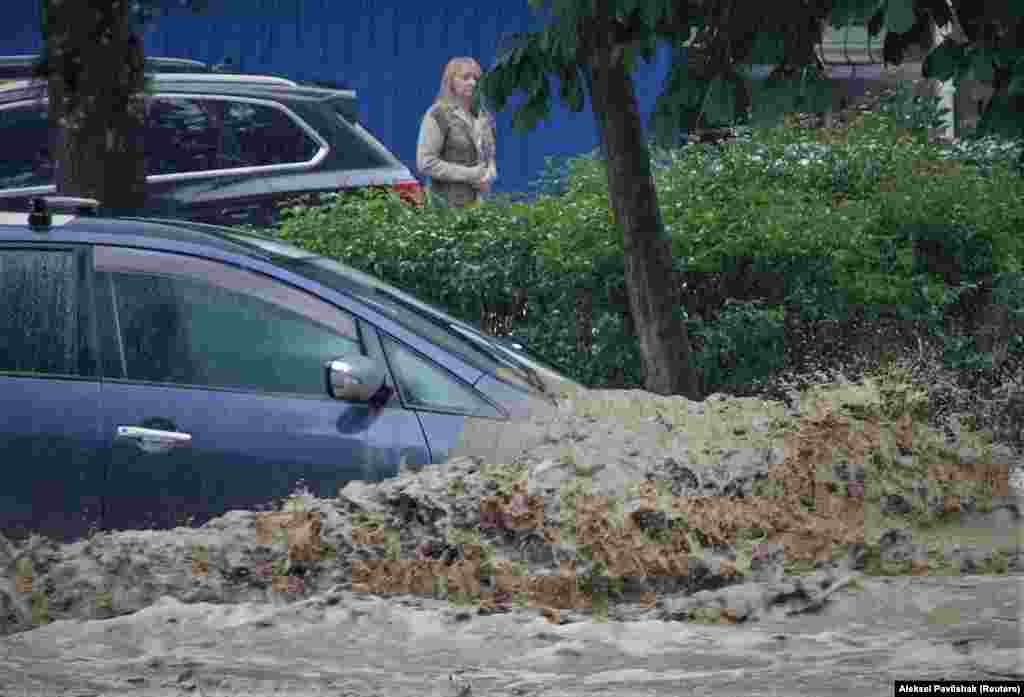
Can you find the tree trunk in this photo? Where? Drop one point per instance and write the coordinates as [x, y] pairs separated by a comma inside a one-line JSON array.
[[95, 78], [650, 279]]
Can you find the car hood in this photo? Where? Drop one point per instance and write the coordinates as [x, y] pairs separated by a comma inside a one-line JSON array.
[[502, 441]]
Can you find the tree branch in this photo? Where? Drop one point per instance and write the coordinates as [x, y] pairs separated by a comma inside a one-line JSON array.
[[632, 29]]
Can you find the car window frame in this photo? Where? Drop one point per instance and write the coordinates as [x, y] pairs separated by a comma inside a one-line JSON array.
[[499, 413], [88, 358], [323, 151], [100, 256]]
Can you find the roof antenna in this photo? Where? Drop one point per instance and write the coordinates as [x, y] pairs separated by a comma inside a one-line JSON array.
[[39, 215]]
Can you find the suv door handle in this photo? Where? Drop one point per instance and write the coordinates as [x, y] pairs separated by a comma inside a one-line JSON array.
[[151, 440], [240, 212]]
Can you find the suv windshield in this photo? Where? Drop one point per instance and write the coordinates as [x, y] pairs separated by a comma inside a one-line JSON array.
[[486, 353]]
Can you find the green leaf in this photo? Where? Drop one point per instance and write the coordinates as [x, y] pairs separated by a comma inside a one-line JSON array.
[[1011, 57], [875, 21], [546, 41], [629, 58], [530, 113], [571, 90], [664, 121], [652, 11], [689, 93], [540, 95], [720, 102], [686, 89], [768, 106], [1016, 87], [649, 49], [981, 66], [492, 88], [565, 9], [628, 7], [818, 95], [899, 16], [768, 48], [846, 12], [556, 47], [943, 60], [527, 73], [1001, 119]]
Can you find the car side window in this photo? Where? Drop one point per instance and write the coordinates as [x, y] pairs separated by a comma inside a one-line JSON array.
[[185, 134], [40, 325], [357, 148], [425, 385], [26, 157], [180, 137], [190, 321], [257, 135]]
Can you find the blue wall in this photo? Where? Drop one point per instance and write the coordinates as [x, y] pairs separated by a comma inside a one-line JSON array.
[[391, 52]]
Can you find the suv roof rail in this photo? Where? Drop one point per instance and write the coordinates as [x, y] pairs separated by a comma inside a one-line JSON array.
[[23, 66], [344, 101], [336, 85], [223, 77]]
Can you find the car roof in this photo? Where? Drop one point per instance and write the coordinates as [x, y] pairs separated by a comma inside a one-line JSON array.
[[226, 84], [259, 247], [23, 66], [66, 227], [247, 85]]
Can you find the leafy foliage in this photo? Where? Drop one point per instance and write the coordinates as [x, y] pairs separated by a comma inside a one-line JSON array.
[[797, 250], [709, 81], [714, 48], [914, 112]]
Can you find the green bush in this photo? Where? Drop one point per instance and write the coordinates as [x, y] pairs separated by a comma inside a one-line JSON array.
[[794, 250], [914, 112], [988, 153], [743, 345]]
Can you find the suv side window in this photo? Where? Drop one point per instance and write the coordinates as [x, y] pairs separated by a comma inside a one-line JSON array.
[[180, 137], [196, 135], [26, 157], [357, 148], [425, 385], [40, 319], [189, 321], [257, 135]]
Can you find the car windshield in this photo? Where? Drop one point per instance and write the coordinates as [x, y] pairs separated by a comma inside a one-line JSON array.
[[485, 352]]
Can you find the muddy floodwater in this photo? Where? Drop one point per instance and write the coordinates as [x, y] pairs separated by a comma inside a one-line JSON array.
[[354, 645], [235, 608]]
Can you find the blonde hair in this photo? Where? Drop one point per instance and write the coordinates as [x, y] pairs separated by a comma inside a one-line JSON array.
[[447, 98], [455, 65]]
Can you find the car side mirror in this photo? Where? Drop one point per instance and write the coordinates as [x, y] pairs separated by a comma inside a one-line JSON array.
[[354, 378]]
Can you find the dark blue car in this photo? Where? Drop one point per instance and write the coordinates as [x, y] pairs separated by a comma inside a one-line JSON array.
[[154, 373]]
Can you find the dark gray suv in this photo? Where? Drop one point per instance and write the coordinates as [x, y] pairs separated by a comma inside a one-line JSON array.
[[220, 148]]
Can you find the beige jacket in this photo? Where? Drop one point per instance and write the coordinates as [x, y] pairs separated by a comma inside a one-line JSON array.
[[455, 150]]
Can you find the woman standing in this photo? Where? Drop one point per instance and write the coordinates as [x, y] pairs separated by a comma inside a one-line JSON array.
[[456, 141]]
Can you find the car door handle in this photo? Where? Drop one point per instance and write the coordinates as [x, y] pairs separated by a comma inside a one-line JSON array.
[[238, 212], [151, 440]]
